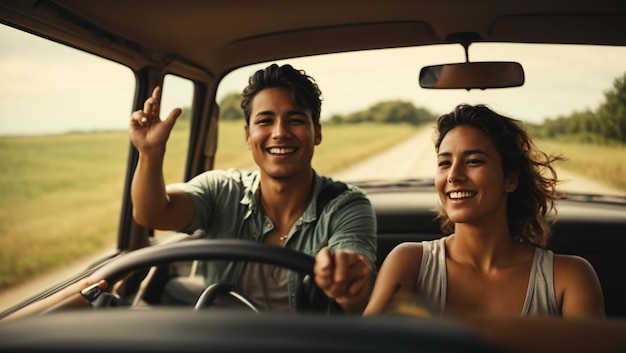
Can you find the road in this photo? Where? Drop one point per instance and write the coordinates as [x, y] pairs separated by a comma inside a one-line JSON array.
[[413, 158]]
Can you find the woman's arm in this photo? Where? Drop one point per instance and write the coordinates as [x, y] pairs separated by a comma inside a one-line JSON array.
[[396, 278], [578, 288]]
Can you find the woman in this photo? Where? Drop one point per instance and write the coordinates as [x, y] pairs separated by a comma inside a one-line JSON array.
[[497, 193]]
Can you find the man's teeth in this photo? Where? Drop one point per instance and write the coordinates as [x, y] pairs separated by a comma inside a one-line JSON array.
[[276, 150], [461, 194]]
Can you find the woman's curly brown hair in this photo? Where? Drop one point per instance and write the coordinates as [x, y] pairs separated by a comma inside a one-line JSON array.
[[531, 207]]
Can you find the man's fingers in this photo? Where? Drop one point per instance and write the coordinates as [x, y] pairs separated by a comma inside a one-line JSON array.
[[344, 260], [156, 101], [151, 111], [147, 106], [323, 259], [103, 284], [171, 120], [152, 105], [352, 274], [343, 274], [138, 118], [354, 287], [361, 277], [156, 93], [174, 114], [323, 268]]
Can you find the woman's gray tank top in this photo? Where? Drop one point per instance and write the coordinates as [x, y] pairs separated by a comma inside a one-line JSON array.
[[432, 281]]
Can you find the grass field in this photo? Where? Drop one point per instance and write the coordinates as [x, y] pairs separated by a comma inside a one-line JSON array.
[[62, 195], [606, 164]]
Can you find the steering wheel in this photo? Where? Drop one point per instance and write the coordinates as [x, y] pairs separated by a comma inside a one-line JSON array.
[[206, 249], [220, 289]]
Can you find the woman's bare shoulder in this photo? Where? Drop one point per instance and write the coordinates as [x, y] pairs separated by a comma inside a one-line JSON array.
[[571, 263], [408, 251]]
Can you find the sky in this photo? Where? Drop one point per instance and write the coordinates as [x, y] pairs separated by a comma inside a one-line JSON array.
[[39, 77]]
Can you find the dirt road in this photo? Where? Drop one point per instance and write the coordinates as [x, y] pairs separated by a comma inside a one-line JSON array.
[[413, 158]]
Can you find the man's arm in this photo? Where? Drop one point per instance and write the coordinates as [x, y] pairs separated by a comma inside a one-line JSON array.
[[153, 205], [345, 270]]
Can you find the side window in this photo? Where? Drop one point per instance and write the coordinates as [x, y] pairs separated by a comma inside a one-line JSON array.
[[63, 147], [177, 92], [231, 142]]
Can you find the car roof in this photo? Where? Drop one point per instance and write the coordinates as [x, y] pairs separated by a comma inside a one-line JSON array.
[[211, 38]]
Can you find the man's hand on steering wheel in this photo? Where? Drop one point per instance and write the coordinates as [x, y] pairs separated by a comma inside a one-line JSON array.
[[344, 276]]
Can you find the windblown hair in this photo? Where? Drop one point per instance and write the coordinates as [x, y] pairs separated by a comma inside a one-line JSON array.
[[303, 88], [531, 207]]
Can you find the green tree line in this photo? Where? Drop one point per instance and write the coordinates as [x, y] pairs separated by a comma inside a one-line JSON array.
[[384, 112], [606, 125], [390, 112]]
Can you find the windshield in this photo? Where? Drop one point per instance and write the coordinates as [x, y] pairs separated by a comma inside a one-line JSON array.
[[568, 103]]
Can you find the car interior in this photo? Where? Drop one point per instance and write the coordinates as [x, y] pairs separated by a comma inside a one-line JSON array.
[[204, 41]]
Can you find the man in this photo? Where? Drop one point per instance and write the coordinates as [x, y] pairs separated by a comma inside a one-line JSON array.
[[275, 204]]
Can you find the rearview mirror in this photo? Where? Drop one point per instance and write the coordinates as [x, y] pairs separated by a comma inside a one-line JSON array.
[[468, 75]]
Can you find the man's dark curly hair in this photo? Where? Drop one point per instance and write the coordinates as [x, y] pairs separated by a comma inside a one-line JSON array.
[[303, 88], [531, 207]]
